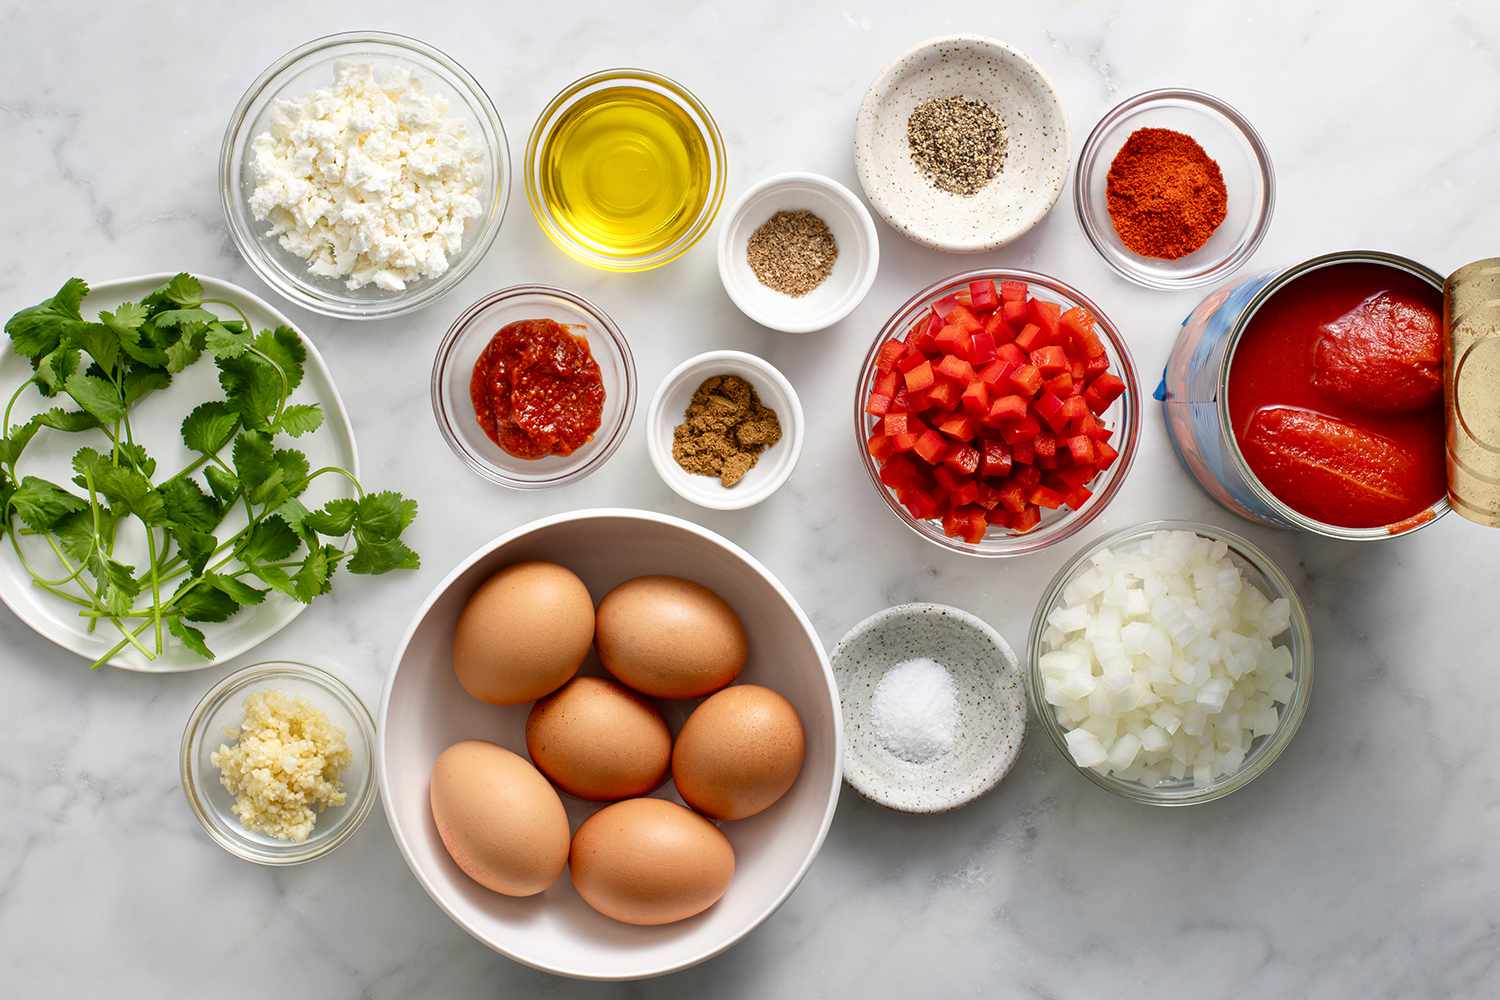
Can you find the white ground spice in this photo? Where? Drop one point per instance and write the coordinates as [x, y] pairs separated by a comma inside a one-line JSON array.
[[284, 765], [957, 142], [792, 252]]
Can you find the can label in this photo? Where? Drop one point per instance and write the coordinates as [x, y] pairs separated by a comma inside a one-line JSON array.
[[1471, 390], [1190, 391]]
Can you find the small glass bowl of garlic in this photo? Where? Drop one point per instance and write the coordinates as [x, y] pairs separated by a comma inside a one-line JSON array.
[[1170, 662]]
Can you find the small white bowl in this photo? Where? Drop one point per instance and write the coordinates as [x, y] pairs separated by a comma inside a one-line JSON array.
[[991, 706], [1036, 158], [671, 402], [853, 270]]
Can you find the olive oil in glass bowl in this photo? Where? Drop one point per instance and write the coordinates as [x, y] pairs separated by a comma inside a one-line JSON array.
[[625, 170]]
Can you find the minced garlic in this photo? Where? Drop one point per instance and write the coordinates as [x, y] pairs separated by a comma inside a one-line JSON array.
[[284, 765]]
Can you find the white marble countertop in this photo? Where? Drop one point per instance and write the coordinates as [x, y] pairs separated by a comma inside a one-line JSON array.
[[1365, 863]]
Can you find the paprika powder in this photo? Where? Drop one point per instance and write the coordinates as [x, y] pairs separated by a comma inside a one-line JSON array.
[[1166, 195]]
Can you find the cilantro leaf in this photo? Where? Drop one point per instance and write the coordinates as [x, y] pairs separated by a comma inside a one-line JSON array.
[[209, 427], [141, 382], [315, 575], [186, 505], [382, 557], [277, 579], [383, 516], [199, 603], [184, 317], [225, 486], [253, 388], [53, 370], [76, 534], [197, 547], [129, 490], [254, 459], [184, 290], [284, 347], [190, 637], [71, 421], [128, 316], [181, 353], [19, 437], [238, 591], [271, 540], [37, 330], [96, 396], [137, 457], [303, 418], [98, 341], [335, 518], [224, 341], [42, 505]]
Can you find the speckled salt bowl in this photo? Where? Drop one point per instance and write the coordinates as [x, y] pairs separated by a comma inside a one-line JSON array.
[[991, 706], [1036, 159]]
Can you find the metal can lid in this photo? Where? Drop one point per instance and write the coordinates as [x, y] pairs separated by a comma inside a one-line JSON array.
[[1471, 390]]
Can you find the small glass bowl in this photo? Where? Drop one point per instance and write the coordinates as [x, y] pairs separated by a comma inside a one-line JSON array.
[[1259, 571], [310, 67], [1123, 415], [571, 242], [1228, 138], [216, 720], [453, 368]]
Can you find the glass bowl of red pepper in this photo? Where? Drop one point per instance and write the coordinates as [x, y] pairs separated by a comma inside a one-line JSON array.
[[997, 412], [533, 386]]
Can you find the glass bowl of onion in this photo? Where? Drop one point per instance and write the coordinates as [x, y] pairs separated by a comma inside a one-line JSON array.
[[1170, 662]]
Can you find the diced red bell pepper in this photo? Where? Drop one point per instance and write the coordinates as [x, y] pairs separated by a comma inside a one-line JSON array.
[[1078, 369], [944, 306], [900, 473], [1043, 496], [901, 401], [1103, 390], [966, 492], [944, 396], [878, 405], [1025, 429], [1104, 454], [1014, 311], [880, 447], [1081, 448], [996, 327], [1045, 315], [967, 523], [963, 317], [1051, 361], [920, 402], [976, 400], [890, 353], [904, 442], [1046, 447], [1074, 476], [1078, 497], [920, 377], [995, 460], [1024, 455], [1077, 325], [1012, 353], [1094, 366], [1050, 409], [921, 504], [982, 294], [1012, 291], [1026, 519], [981, 348], [913, 358], [999, 517], [947, 481], [997, 373], [964, 460], [1061, 386], [951, 340], [922, 341], [960, 427], [1026, 380], [1074, 410], [1013, 497], [1027, 475], [931, 447], [954, 367], [896, 424], [1030, 338], [888, 384], [989, 496], [1006, 410]]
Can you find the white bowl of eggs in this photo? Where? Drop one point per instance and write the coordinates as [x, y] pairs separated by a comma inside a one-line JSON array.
[[610, 745]]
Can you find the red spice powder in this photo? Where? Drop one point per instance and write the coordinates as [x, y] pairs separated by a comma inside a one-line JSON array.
[[1166, 195]]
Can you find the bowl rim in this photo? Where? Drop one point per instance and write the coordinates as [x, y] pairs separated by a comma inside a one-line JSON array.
[[1093, 229], [363, 802], [1009, 660], [1302, 668], [541, 130], [864, 118], [674, 476], [460, 327], [418, 295], [441, 588], [869, 261], [1129, 432]]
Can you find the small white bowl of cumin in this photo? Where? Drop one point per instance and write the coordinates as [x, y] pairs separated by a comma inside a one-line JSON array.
[[773, 463], [794, 273]]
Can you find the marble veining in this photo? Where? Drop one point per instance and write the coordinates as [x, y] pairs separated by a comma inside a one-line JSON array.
[[1363, 864]]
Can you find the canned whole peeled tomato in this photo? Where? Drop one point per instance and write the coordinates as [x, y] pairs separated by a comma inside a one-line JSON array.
[[1195, 397]]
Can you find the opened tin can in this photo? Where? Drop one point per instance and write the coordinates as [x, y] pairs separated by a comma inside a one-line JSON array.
[[1471, 390], [1194, 393]]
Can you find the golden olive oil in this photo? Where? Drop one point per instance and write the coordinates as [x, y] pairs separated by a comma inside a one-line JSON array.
[[625, 172]]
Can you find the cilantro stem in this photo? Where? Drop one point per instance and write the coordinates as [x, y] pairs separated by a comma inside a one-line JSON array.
[[358, 489], [5, 424]]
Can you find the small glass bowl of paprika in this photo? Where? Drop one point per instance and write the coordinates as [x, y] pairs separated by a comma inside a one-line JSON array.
[[1182, 215], [568, 407]]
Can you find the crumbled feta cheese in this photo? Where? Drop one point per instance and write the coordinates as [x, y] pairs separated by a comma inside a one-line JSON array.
[[370, 181], [284, 765]]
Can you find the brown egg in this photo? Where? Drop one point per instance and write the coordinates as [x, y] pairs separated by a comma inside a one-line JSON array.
[[670, 638], [499, 819], [649, 861], [738, 752], [598, 740], [523, 634]]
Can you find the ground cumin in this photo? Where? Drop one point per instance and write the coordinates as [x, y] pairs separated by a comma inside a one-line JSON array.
[[1166, 195], [725, 429]]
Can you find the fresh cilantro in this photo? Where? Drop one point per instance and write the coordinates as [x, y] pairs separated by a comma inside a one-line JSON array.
[[209, 427], [37, 330], [97, 397], [304, 418], [190, 637], [42, 504]]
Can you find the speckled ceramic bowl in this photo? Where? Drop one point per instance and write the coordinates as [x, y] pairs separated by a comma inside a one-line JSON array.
[[991, 706], [1036, 158]]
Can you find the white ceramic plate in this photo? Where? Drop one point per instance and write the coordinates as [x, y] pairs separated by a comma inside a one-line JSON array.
[[156, 421], [1036, 158], [423, 711]]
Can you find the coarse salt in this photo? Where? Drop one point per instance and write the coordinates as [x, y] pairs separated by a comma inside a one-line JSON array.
[[915, 710]]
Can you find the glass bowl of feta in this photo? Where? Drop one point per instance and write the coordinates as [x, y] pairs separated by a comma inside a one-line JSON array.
[[1171, 662], [363, 175]]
